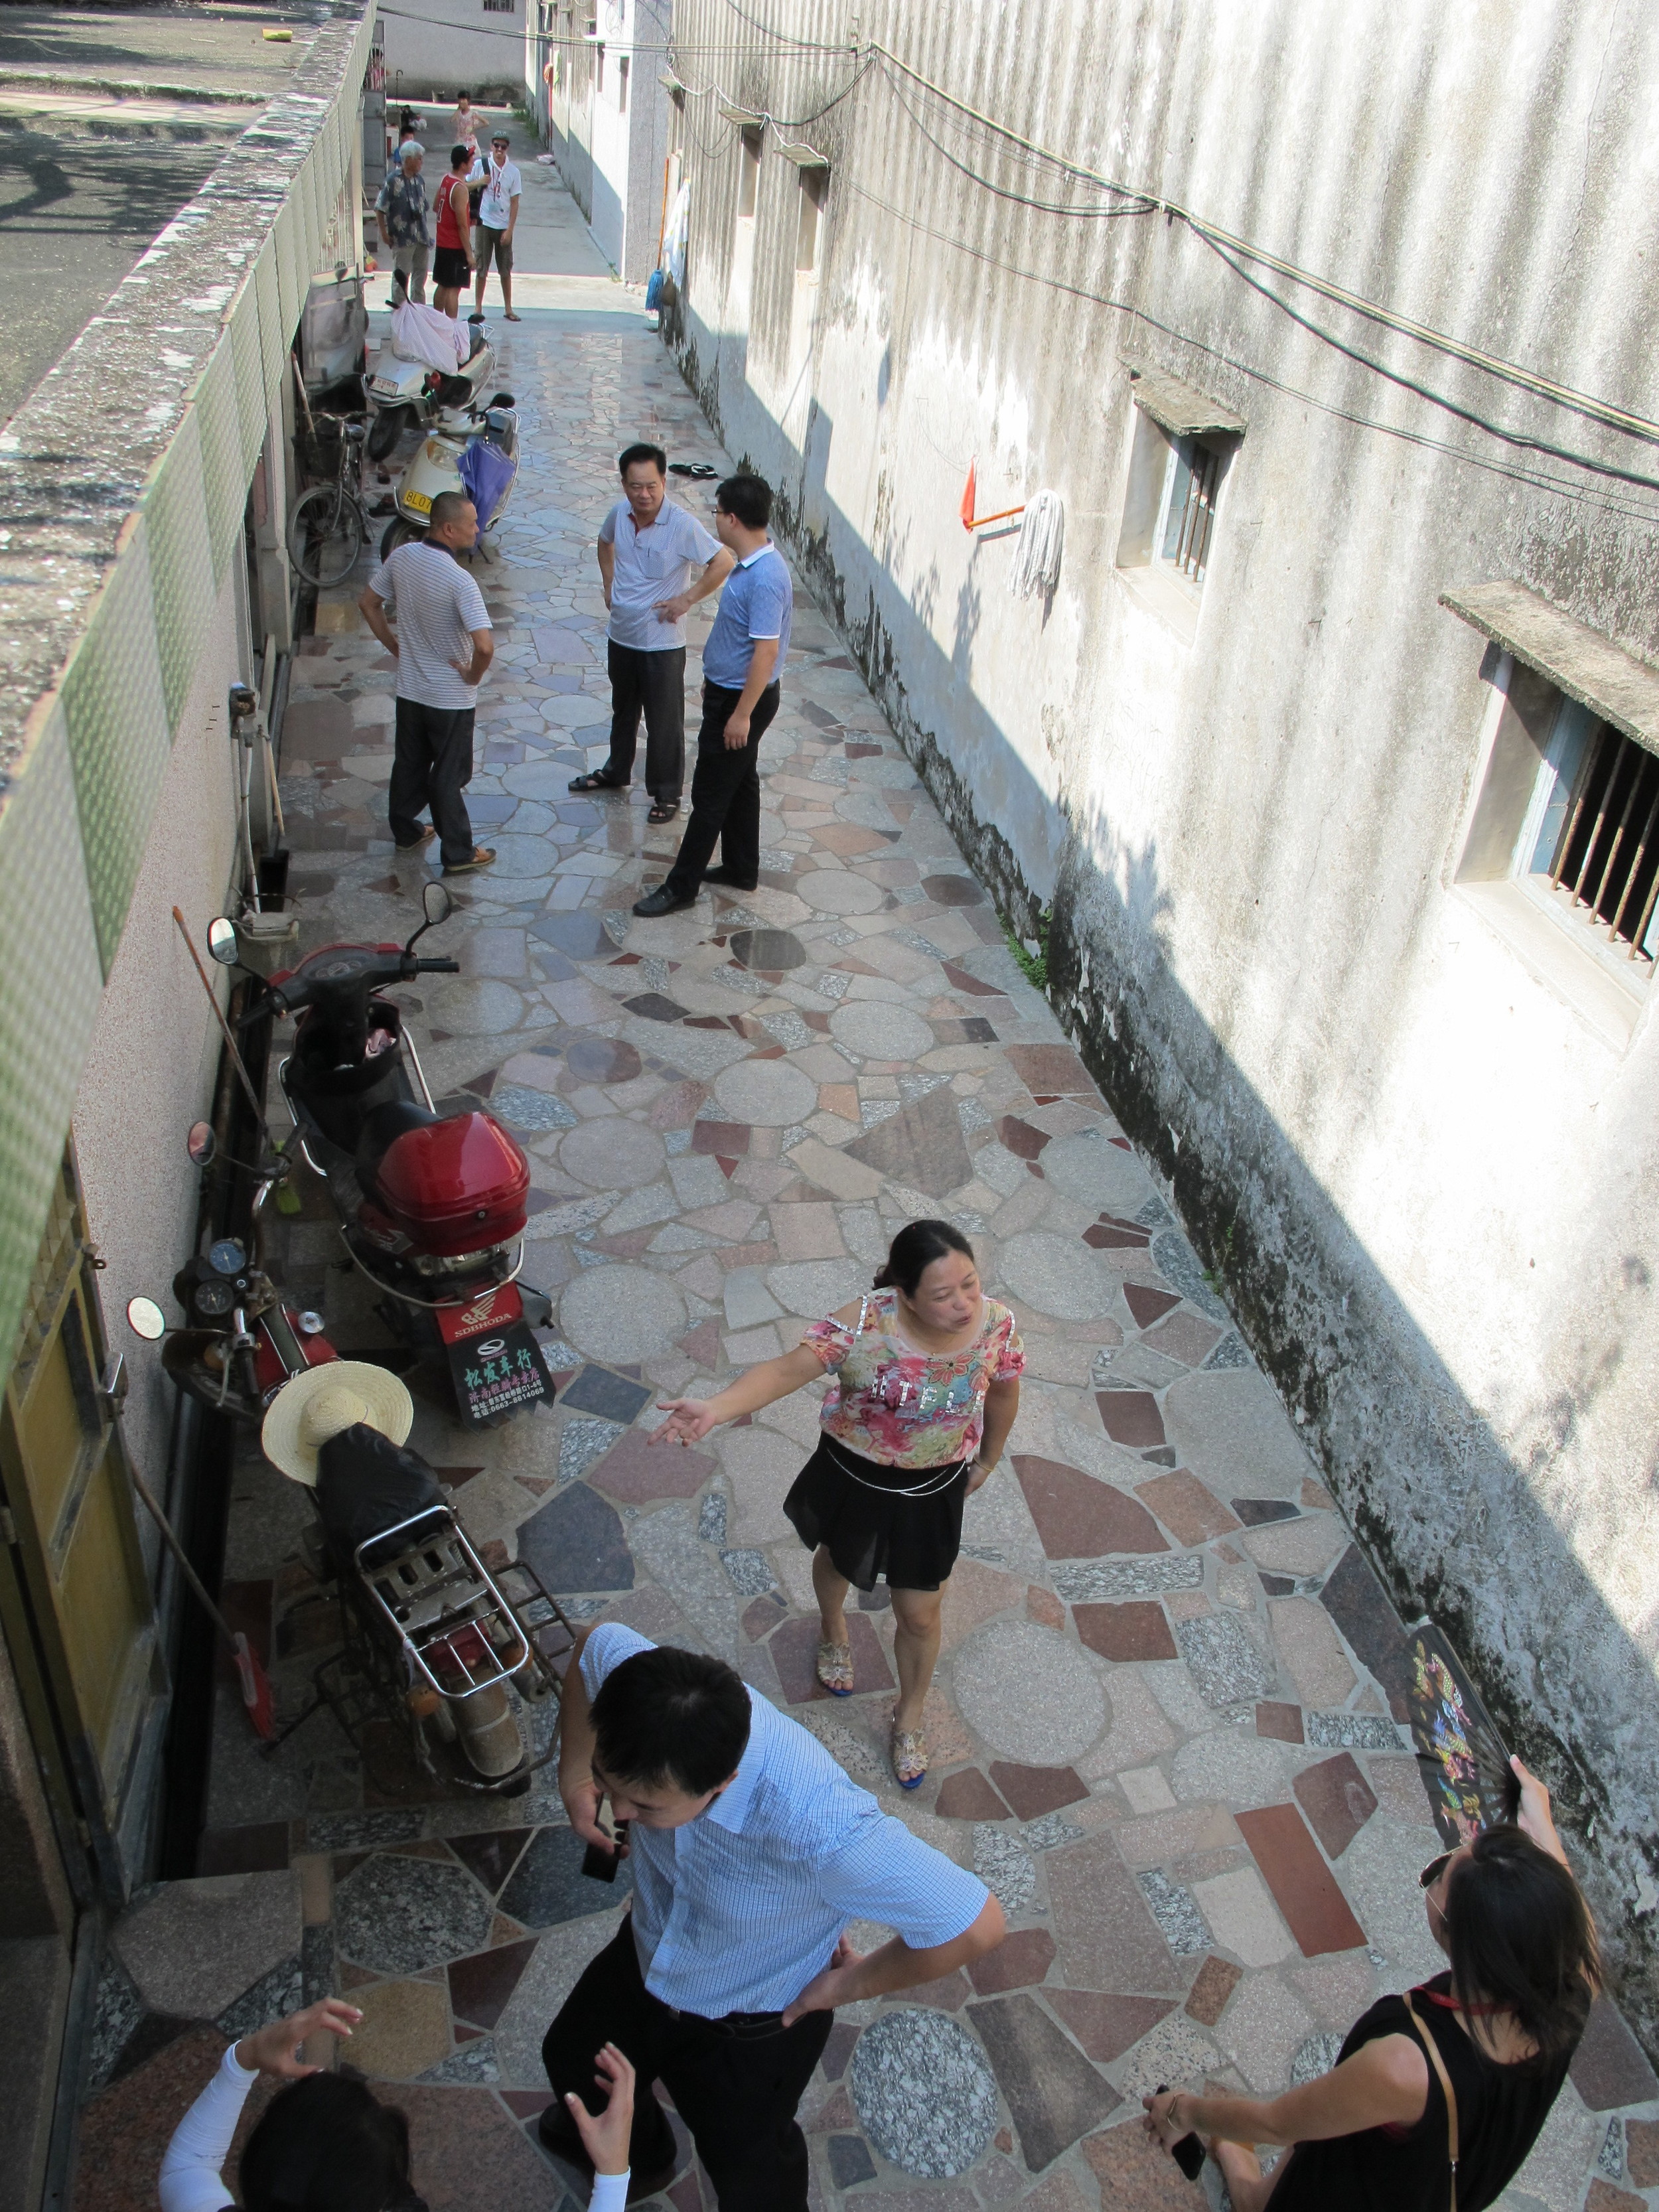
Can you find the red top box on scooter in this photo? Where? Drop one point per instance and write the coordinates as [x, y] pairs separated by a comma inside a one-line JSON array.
[[455, 1185]]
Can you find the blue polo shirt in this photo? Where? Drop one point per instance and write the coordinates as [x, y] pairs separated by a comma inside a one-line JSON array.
[[755, 602]]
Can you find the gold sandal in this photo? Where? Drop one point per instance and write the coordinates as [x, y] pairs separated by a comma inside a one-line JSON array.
[[835, 1668], [909, 1757]]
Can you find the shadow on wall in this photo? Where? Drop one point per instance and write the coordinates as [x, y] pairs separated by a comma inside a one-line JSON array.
[[1447, 1514]]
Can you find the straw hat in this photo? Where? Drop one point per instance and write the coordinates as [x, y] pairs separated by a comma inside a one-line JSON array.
[[316, 1405]]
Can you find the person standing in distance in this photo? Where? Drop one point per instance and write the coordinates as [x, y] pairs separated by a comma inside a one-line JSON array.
[[442, 645], [400, 212], [452, 261], [500, 188], [751, 1851], [742, 666], [647, 550]]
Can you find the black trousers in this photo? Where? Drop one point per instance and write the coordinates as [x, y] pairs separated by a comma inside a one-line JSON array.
[[431, 763], [726, 795], [654, 684], [737, 2095]]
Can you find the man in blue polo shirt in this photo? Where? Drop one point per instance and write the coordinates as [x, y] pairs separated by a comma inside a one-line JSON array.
[[751, 1852], [742, 663]]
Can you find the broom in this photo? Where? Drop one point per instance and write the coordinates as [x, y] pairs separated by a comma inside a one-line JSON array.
[[256, 1683]]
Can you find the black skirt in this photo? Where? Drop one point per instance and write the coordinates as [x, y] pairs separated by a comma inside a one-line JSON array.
[[871, 1533]]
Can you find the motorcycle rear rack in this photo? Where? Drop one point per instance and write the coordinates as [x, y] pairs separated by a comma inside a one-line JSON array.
[[364, 1688], [431, 1590]]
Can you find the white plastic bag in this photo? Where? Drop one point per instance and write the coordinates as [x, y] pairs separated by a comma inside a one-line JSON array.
[[420, 333]]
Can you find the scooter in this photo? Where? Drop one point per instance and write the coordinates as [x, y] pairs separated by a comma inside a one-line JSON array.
[[431, 1638], [406, 393], [241, 1342], [432, 1206], [444, 461]]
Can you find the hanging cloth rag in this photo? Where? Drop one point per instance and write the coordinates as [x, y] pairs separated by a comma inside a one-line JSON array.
[[674, 233], [1036, 558]]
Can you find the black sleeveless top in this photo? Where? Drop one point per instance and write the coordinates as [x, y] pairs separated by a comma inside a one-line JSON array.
[[1500, 2111]]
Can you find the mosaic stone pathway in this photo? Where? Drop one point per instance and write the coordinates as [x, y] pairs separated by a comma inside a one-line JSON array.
[[1164, 1730]]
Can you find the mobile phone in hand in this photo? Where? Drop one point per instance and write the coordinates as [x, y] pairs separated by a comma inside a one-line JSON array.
[[1189, 2153], [599, 1864]]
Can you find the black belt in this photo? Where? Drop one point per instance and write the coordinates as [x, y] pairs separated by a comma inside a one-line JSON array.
[[740, 2027]]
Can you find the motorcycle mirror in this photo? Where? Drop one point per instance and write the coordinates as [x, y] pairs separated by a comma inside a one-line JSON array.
[[201, 1144], [146, 1319], [436, 904], [222, 942], [503, 399]]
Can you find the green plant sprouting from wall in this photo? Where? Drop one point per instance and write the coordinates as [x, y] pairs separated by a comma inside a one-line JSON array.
[[1033, 966]]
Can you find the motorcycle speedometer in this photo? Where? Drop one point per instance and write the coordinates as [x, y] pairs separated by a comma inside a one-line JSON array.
[[226, 1257], [213, 1298]]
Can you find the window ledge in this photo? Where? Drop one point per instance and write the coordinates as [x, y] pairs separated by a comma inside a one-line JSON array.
[[1167, 595], [1578, 660], [1179, 407], [1560, 953]]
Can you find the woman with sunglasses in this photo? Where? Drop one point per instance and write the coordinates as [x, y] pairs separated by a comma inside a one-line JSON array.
[[1473, 2058]]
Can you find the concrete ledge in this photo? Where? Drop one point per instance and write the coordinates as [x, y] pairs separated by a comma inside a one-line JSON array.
[[1586, 666], [1181, 408]]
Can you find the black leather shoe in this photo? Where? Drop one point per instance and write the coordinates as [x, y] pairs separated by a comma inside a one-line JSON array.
[[661, 901]]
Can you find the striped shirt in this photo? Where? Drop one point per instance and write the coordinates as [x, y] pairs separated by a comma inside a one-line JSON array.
[[740, 1909], [439, 607]]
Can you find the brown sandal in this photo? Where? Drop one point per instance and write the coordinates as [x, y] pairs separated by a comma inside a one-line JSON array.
[[909, 1757], [835, 1668]]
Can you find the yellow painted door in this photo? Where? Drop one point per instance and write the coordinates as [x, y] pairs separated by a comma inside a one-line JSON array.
[[77, 1592]]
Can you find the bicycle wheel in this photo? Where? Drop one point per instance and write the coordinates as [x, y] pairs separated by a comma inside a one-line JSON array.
[[326, 532]]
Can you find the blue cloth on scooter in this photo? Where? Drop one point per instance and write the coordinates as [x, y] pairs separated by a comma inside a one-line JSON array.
[[486, 472], [365, 1483]]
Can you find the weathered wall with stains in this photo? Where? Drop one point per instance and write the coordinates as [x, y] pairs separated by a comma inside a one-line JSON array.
[[1428, 1177]]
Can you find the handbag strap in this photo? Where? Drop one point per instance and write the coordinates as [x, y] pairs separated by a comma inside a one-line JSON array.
[[1447, 2091]]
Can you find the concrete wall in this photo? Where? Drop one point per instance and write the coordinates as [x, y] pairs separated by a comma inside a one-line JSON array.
[[155, 1047], [607, 120], [435, 48], [1424, 1166]]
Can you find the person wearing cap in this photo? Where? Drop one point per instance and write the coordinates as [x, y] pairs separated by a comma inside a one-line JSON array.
[[500, 186], [401, 212]]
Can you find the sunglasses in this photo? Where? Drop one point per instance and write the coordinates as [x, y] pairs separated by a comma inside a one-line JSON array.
[[1435, 1868]]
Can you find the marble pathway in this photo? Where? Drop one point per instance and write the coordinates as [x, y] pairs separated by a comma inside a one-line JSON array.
[[1163, 1730]]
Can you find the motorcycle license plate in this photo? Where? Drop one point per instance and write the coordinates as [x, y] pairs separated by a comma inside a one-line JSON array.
[[418, 501], [498, 1373], [382, 384]]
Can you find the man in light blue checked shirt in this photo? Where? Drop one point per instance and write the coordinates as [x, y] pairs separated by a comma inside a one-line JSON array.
[[751, 1851]]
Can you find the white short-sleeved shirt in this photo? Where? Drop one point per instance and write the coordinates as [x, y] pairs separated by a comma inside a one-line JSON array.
[[650, 565], [740, 1909], [501, 186], [439, 607]]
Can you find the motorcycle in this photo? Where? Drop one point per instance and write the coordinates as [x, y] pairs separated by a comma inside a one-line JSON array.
[[476, 453], [430, 1637], [431, 1207], [241, 1342], [406, 393]]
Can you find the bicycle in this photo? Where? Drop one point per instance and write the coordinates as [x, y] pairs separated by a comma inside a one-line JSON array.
[[326, 527]]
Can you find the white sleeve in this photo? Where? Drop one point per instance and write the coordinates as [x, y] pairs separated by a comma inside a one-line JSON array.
[[191, 2168], [609, 2192]]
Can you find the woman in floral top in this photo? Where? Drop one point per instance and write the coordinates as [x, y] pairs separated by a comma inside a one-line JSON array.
[[927, 1387]]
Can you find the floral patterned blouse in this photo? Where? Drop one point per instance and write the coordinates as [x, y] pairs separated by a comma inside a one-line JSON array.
[[904, 1408]]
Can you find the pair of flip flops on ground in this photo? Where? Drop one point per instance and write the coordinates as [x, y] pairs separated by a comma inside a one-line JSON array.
[[599, 781], [908, 1748]]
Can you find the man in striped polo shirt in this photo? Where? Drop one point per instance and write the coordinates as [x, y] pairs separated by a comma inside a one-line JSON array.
[[751, 1851]]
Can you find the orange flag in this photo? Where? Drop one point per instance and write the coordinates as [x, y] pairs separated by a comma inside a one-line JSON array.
[[969, 494]]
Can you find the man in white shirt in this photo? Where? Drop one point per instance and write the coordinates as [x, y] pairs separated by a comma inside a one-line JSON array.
[[442, 645], [648, 547], [498, 218]]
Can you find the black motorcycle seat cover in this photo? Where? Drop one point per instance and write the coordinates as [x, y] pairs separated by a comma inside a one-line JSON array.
[[381, 1130], [365, 1483]]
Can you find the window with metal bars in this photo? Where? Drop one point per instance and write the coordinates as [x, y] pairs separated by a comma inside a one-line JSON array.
[[1592, 830], [1189, 489]]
